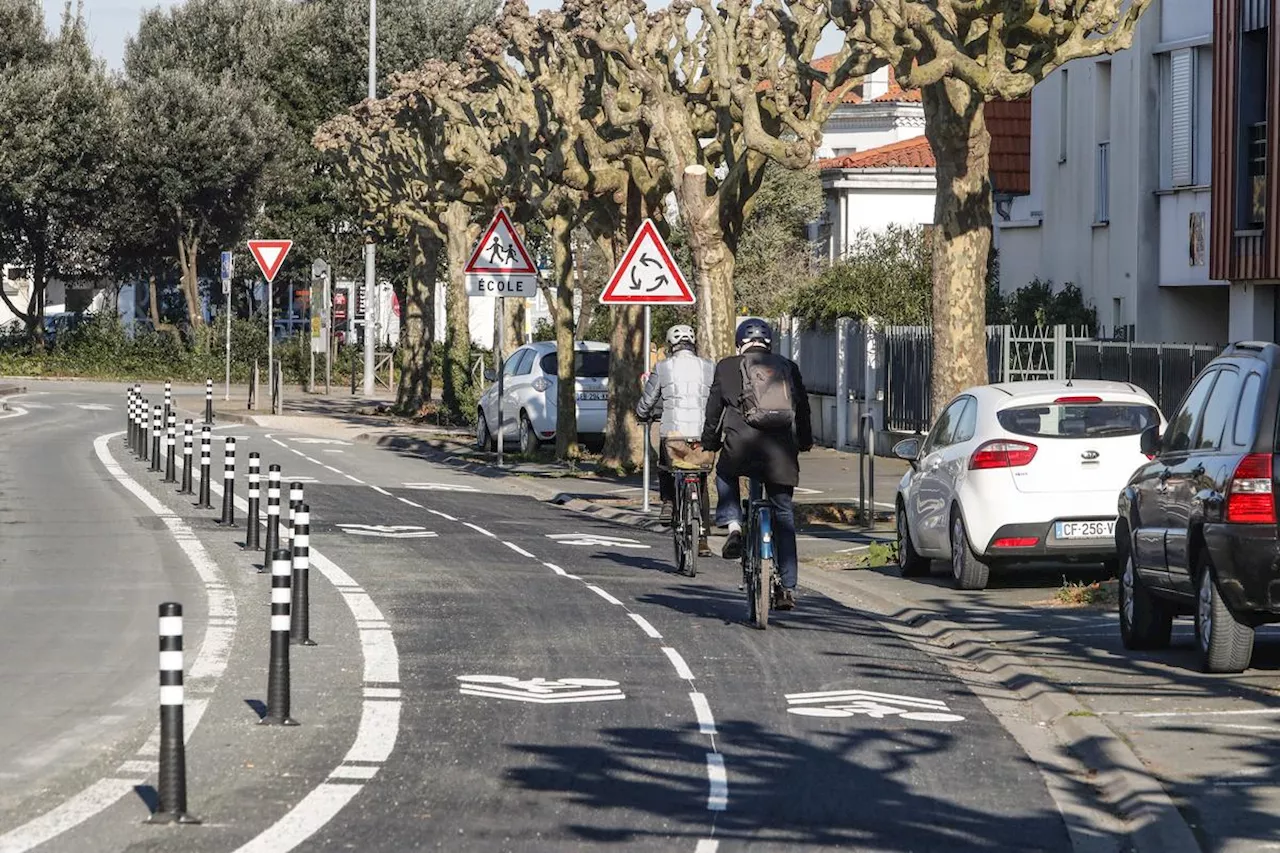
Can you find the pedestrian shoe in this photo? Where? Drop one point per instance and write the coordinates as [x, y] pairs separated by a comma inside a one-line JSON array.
[[786, 600], [666, 513], [704, 547], [732, 546]]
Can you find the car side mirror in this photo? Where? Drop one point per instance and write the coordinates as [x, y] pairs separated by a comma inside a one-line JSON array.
[[908, 449], [1149, 441], [490, 375]]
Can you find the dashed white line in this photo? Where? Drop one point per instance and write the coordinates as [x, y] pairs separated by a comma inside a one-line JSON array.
[[354, 479], [305, 819], [701, 708], [331, 468], [522, 552], [478, 529], [644, 625], [410, 503], [682, 668], [707, 845], [606, 596], [718, 795], [381, 491], [443, 515], [299, 452]]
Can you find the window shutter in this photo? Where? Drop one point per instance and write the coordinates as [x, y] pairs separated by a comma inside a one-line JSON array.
[[1182, 111]]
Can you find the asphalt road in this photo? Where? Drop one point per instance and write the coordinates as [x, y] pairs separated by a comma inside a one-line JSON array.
[[558, 686]]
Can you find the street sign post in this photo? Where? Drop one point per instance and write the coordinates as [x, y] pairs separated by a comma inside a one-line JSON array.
[[270, 255], [227, 265], [647, 275], [500, 266]]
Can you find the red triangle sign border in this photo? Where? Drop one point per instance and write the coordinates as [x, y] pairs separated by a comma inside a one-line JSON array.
[[269, 271], [647, 230], [500, 218]]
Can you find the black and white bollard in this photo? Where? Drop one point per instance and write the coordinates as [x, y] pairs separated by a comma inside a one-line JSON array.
[[173, 758], [251, 539], [229, 483], [171, 448], [295, 502], [273, 514], [168, 399], [206, 463], [278, 667], [157, 435], [300, 607], [128, 417], [188, 448], [208, 401], [144, 412]]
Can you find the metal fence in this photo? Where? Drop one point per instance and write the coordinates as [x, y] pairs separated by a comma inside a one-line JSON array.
[[819, 360], [908, 374], [1165, 371]]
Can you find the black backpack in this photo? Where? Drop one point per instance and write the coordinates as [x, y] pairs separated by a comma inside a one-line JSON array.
[[766, 402]]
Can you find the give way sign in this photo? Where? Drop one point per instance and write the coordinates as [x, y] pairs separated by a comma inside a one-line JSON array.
[[647, 275], [270, 255]]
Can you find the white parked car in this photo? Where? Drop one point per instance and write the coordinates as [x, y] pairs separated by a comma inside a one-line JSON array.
[[1020, 472], [529, 395]]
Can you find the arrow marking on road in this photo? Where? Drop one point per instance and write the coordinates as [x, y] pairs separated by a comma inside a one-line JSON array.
[[540, 691], [388, 531], [440, 487], [851, 703], [320, 441], [595, 539], [94, 407]]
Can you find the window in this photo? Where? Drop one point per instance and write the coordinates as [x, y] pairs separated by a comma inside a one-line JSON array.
[[1247, 413], [587, 364], [940, 435], [1064, 99], [1186, 121], [1078, 420], [513, 362], [525, 367], [1218, 411], [1257, 173], [967, 423], [1102, 184], [1251, 129], [1182, 426]]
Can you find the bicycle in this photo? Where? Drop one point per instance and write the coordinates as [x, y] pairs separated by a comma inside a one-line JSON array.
[[688, 465], [757, 534]]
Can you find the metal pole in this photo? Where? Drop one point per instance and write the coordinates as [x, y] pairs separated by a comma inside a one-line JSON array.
[[498, 317], [327, 327], [369, 270], [644, 507], [271, 343], [227, 393]]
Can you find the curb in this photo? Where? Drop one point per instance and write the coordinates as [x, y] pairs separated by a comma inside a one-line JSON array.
[[1154, 823]]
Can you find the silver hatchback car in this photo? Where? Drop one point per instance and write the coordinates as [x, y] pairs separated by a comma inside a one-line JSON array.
[[529, 406]]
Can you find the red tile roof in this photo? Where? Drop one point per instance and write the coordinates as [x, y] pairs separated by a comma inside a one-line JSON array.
[[895, 94], [1009, 123], [913, 153]]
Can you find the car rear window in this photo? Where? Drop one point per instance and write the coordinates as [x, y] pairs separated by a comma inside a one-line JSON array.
[[1079, 420], [587, 364]]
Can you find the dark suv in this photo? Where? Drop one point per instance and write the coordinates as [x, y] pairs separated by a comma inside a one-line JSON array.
[[1197, 524]]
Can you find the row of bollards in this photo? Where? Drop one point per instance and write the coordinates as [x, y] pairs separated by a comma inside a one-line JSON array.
[[151, 434]]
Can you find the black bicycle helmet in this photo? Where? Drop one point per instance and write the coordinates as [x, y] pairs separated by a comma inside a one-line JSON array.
[[753, 331]]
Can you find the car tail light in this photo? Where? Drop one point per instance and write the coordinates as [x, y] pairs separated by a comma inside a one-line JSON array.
[[542, 383], [1002, 454], [1017, 542], [1249, 499], [1076, 401]]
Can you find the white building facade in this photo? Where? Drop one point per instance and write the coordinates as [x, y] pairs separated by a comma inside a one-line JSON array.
[[1120, 172]]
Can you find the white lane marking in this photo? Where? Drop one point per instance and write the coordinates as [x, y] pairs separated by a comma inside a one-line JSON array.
[[321, 441], [707, 845], [354, 479], [305, 819], [645, 626], [522, 552], [877, 706], [441, 487], [410, 503], [388, 531], [1154, 714], [331, 468], [382, 693], [540, 691], [299, 452], [606, 596], [209, 665], [443, 515], [93, 407], [14, 412], [381, 491], [333, 451], [718, 779], [354, 772], [381, 658], [478, 529], [682, 668], [702, 709], [379, 722]]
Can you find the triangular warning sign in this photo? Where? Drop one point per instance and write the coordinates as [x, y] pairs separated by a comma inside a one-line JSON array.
[[500, 251], [647, 274], [270, 254]]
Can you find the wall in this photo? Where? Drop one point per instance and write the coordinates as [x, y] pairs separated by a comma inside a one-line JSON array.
[[874, 198], [859, 127]]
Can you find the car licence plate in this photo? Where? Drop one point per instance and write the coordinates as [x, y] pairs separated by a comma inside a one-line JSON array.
[[1084, 529], [593, 395]]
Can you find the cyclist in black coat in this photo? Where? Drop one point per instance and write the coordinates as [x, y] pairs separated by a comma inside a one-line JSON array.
[[769, 458]]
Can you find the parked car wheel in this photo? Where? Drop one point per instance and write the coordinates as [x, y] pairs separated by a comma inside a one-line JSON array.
[[528, 438], [1146, 622], [911, 563], [484, 438], [967, 570], [1225, 644]]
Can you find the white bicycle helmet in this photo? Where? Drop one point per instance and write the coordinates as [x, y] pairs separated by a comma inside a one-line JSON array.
[[680, 335]]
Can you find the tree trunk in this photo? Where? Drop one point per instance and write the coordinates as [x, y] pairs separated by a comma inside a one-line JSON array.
[[418, 311], [460, 395], [566, 397], [713, 265], [623, 437], [188, 252], [513, 324], [153, 295], [35, 308], [957, 132]]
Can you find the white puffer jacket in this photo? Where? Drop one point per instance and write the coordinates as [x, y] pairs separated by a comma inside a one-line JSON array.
[[677, 390]]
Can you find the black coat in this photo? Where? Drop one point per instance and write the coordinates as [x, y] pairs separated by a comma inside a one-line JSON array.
[[746, 451]]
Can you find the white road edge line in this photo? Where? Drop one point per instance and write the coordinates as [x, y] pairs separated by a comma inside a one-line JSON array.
[[381, 491], [701, 708], [410, 503], [718, 777], [682, 668], [606, 596], [478, 529], [208, 666], [522, 552], [644, 624]]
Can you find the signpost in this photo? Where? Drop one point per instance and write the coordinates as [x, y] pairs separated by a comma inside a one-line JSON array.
[[228, 263], [270, 255], [500, 266], [647, 275]]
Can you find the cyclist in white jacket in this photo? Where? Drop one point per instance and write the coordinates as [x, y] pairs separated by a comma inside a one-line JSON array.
[[677, 391]]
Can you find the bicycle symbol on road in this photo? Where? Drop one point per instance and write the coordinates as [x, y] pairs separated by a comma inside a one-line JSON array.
[[540, 691], [593, 539], [878, 706]]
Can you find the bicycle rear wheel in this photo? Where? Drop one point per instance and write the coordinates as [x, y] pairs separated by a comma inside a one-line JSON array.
[[692, 535]]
